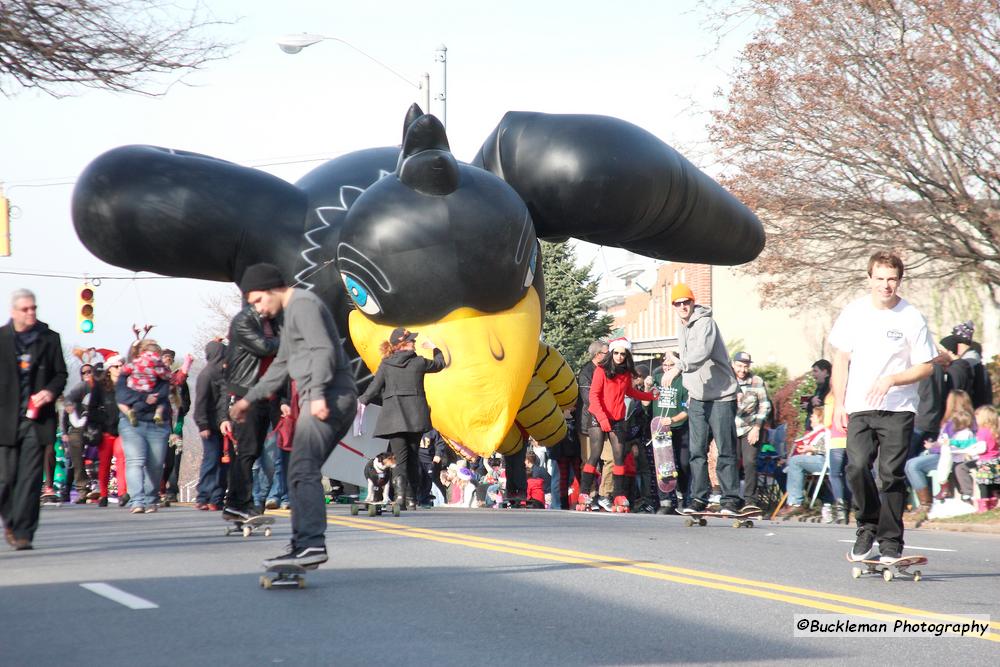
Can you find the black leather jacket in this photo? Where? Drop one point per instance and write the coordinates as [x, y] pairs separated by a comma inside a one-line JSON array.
[[248, 346]]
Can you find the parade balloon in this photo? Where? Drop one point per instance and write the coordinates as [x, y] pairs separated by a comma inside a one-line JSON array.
[[410, 236]]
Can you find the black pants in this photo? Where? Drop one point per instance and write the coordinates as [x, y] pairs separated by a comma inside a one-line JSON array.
[[749, 454], [430, 475], [883, 436], [406, 475], [312, 444], [74, 447], [517, 476], [249, 435], [569, 469], [171, 469], [21, 482]]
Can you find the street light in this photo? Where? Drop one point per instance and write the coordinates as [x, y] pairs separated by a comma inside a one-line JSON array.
[[296, 42]]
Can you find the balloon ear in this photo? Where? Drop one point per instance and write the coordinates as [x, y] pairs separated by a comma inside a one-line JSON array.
[[426, 163], [413, 113]]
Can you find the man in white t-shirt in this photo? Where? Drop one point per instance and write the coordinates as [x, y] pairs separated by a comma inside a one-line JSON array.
[[882, 350]]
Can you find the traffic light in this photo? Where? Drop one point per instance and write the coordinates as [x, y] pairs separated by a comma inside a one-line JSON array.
[[85, 309], [4, 226]]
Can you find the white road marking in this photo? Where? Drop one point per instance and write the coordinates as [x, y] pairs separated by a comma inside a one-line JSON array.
[[909, 547], [121, 597]]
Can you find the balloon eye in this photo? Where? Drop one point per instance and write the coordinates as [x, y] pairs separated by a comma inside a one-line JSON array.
[[359, 293], [530, 277]]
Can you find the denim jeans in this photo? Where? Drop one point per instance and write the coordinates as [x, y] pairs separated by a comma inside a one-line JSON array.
[[800, 464], [279, 485], [708, 419], [145, 448], [917, 468], [553, 467], [263, 470], [212, 476]]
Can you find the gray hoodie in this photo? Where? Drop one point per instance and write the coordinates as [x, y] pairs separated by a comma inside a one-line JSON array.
[[312, 354], [707, 373]]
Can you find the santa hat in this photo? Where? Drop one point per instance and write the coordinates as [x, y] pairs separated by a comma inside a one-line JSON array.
[[620, 344]]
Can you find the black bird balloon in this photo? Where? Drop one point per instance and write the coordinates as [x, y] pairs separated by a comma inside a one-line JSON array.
[[410, 236]]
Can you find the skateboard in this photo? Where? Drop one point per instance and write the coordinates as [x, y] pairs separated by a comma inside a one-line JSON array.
[[51, 500], [250, 526], [374, 508], [889, 571], [286, 575], [663, 457], [741, 520]]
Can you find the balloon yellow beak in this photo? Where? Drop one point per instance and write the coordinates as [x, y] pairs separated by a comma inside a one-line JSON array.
[[490, 361]]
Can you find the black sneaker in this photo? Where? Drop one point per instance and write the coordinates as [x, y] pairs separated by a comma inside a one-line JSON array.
[[697, 505], [233, 514], [123, 500], [889, 552], [864, 546], [729, 509], [307, 557]]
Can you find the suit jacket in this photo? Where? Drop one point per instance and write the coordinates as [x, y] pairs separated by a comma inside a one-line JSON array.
[[48, 372], [400, 383]]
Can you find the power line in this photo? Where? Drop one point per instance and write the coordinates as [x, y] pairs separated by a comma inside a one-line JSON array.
[[81, 276]]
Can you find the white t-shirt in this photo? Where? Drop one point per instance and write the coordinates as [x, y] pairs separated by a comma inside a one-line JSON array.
[[881, 342]]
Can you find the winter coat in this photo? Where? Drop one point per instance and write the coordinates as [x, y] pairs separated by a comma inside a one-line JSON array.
[[248, 349], [48, 371], [607, 397], [399, 383], [208, 388]]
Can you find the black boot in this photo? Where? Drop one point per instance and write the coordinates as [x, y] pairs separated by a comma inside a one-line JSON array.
[[399, 485]]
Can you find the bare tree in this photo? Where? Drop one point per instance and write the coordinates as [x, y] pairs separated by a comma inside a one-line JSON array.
[[222, 308], [867, 124], [119, 45]]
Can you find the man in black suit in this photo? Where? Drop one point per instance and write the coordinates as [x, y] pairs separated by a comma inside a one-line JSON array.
[[32, 375]]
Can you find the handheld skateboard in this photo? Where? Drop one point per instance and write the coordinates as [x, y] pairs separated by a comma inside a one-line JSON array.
[[286, 575], [889, 571], [740, 520], [663, 457], [374, 508], [249, 526]]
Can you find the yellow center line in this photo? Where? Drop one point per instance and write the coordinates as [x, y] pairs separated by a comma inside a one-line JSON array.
[[813, 599]]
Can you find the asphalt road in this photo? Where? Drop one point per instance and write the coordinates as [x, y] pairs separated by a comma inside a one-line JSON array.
[[461, 587]]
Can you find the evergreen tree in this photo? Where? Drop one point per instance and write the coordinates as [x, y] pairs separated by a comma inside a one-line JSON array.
[[572, 317]]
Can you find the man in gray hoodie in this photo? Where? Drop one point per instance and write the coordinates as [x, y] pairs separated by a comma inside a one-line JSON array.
[[311, 354], [711, 384]]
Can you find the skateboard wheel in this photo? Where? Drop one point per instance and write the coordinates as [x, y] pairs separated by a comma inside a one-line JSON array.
[[372, 510], [688, 522], [228, 531], [247, 530], [702, 522], [748, 524], [267, 532], [917, 576], [887, 574], [856, 572], [737, 524], [301, 582], [264, 582], [395, 510], [354, 510]]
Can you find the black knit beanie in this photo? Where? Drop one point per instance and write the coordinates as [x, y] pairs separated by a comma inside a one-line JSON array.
[[259, 277]]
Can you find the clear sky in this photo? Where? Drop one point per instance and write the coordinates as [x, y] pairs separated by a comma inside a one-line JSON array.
[[643, 61]]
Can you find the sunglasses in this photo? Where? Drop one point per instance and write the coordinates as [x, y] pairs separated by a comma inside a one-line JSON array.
[[685, 302], [86, 372], [618, 353]]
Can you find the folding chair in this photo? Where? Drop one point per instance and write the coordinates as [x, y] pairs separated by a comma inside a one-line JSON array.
[[820, 477]]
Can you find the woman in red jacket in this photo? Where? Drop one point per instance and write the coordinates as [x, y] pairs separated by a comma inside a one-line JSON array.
[[611, 384]]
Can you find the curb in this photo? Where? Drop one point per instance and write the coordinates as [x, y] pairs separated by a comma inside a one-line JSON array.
[[962, 527]]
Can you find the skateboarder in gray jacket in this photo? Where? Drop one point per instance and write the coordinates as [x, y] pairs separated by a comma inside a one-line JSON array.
[[310, 353]]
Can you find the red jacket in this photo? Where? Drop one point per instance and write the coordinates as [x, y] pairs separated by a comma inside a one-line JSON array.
[[607, 397]]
